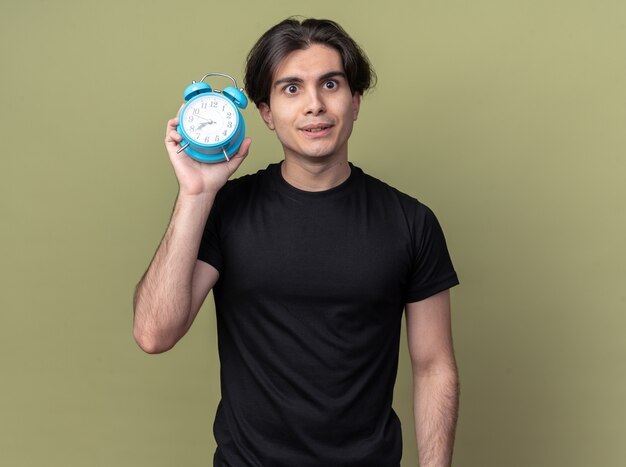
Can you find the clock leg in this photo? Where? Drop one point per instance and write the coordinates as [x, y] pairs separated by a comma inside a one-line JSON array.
[[225, 154], [182, 148]]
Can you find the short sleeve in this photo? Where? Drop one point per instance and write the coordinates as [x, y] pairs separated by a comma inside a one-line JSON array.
[[432, 270], [210, 251]]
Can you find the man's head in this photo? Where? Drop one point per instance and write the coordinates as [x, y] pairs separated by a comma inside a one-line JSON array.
[[291, 35]]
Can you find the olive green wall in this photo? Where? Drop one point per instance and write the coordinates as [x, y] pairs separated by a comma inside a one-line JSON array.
[[506, 117]]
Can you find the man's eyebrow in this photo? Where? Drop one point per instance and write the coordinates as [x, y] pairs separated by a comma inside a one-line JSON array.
[[332, 74], [297, 80], [287, 80]]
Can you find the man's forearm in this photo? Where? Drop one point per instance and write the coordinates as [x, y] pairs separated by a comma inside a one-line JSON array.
[[435, 407], [163, 296]]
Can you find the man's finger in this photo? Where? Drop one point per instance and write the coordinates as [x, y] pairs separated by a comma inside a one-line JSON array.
[[244, 148]]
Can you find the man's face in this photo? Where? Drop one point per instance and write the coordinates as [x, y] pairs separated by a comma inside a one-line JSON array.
[[311, 107]]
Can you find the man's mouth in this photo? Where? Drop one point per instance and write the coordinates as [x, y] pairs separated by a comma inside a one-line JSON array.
[[316, 128]]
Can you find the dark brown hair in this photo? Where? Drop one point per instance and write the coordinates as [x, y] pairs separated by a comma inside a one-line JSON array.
[[291, 35]]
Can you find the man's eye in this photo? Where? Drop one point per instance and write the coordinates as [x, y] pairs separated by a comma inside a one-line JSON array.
[[330, 84], [291, 89]]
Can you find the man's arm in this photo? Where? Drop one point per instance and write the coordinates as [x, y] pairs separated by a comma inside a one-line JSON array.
[[435, 378], [171, 291]]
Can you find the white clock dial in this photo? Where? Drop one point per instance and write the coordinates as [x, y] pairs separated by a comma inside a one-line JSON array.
[[210, 120]]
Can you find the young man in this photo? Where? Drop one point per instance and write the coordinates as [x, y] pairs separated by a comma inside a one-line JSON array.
[[312, 263]]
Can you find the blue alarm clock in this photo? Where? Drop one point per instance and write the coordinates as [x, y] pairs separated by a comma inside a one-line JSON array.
[[210, 122]]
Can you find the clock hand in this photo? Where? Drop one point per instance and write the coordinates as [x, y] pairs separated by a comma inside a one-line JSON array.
[[209, 120], [203, 124]]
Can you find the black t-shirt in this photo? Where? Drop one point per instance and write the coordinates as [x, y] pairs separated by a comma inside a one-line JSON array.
[[309, 303]]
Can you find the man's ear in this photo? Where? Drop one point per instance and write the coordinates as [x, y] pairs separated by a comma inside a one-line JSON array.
[[266, 115], [356, 105]]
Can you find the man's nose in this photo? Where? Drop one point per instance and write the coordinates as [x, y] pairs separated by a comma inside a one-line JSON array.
[[315, 103]]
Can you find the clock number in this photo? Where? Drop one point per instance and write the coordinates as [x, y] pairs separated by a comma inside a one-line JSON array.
[[213, 103], [204, 105], [217, 138], [190, 119], [229, 114], [192, 128], [198, 135], [225, 131], [229, 124], [196, 111], [207, 139]]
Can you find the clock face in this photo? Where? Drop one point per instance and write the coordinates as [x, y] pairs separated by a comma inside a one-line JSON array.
[[209, 119]]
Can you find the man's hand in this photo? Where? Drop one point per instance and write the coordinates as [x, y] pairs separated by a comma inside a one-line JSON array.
[[195, 177]]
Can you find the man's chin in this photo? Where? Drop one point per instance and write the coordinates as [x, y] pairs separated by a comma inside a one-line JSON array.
[[318, 157]]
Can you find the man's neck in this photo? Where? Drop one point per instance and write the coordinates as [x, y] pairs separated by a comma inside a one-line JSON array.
[[315, 176]]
